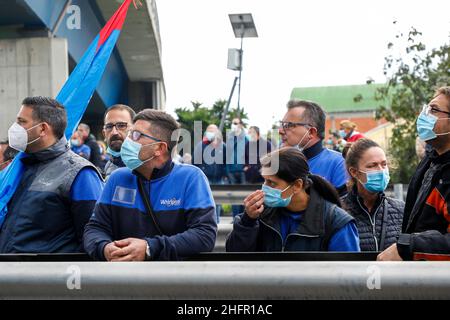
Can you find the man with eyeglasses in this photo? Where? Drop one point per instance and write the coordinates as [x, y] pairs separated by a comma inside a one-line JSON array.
[[303, 127], [154, 209], [426, 220], [117, 121]]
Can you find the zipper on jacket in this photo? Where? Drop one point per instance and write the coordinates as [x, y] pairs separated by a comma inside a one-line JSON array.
[[283, 243], [372, 222], [281, 237]]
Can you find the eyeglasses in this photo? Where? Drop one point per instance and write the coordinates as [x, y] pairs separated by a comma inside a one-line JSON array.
[[120, 126], [427, 109], [136, 135], [290, 125]]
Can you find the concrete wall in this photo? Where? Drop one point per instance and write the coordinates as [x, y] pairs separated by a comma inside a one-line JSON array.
[[29, 67]]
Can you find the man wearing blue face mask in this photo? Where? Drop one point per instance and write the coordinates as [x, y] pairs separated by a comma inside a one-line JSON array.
[[303, 127], [154, 209], [77, 145], [294, 211], [378, 217], [117, 122], [426, 222]]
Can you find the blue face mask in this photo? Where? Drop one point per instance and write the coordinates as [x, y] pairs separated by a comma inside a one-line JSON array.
[[425, 125], [115, 154], [130, 153], [272, 197], [342, 134], [74, 143], [377, 181]]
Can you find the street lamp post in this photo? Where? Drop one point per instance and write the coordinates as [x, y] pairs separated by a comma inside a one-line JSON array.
[[243, 27]]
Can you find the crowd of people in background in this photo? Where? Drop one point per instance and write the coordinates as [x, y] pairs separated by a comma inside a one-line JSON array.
[[327, 192]]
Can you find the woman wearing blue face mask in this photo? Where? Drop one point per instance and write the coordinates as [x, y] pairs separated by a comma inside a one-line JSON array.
[[378, 218], [294, 211]]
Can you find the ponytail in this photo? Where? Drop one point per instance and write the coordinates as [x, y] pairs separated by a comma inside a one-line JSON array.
[[325, 189]]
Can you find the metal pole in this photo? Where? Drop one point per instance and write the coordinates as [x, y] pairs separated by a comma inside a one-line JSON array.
[[225, 111], [241, 55], [398, 191], [60, 18], [225, 280]]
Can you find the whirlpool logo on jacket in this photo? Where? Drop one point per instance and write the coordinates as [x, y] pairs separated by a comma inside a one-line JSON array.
[[170, 202]]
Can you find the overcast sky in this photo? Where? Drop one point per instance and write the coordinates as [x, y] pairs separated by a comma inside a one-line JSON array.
[[300, 44]]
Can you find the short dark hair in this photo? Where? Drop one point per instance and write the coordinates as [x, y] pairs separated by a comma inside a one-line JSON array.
[[163, 125], [9, 152], [314, 114], [50, 111], [120, 107]]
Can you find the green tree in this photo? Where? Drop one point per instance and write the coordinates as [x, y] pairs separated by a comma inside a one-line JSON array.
[[206, 115], [412, 78]]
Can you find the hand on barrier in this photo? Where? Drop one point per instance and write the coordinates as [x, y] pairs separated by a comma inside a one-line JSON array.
[[390, 254], [130, 249]]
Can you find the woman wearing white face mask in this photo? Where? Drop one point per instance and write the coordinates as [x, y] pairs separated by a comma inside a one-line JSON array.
[[379, 218], [294, 211]]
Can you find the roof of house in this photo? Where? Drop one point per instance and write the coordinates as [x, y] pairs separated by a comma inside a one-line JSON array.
[[340, 98]]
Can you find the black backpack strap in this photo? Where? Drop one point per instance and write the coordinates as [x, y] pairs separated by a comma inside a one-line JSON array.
[[145, 196]]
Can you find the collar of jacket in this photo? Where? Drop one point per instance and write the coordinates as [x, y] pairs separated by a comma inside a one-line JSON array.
[[440, 159], [314, 150], [50, 153], [117, 161], [158, 173], [352, 201], [312, 222]]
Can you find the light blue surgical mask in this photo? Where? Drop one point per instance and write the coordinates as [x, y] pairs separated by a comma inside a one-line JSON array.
[[425, 125], [130, 153], [272, 197], [377, 181], [342, 134], [115, 154], [75, 143]]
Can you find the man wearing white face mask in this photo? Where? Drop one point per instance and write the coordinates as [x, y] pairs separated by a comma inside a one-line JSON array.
[[426, 221], [58, 188], [303, 126], [154, 209]]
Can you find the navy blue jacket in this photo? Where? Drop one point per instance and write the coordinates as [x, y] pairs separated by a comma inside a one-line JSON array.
[[182, 203], [323, 227], [53, 203]]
